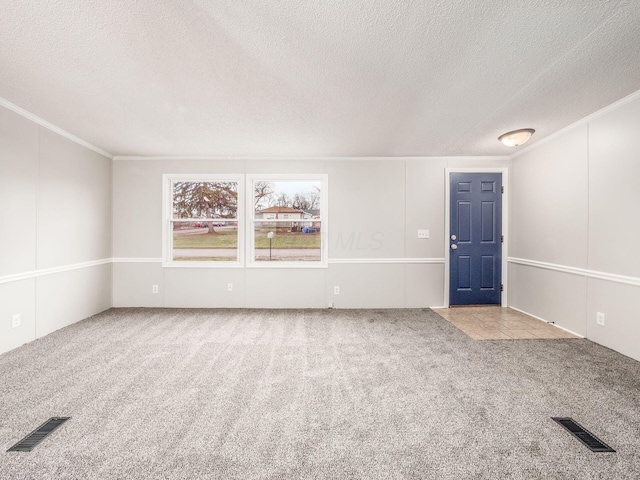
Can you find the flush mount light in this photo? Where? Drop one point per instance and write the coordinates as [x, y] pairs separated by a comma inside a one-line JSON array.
[[516, 137]]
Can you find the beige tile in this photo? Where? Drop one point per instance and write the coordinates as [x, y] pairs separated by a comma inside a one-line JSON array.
[[543, 334], [514, 316], [469, 328], [512, 325], [461, 320], [497, 323], [496, 336], [488, 310], [461, 316], [520, 334], [542, 328], [568, 335], [489, 320], [490, 328], [488, 331], [533, 321], [546, 336], [558, 333], [539, 324], [486, 317], [467, 325], [473, 310]]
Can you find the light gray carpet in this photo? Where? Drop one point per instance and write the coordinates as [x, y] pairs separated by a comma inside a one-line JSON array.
[[312, 394]]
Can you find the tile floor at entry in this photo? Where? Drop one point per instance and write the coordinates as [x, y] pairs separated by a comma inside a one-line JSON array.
[[498, 323]]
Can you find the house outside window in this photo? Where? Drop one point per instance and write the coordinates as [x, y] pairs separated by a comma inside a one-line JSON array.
[[288, 220]]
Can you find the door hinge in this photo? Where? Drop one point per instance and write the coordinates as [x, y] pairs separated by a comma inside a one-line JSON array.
[[502, 189], [501, 238], [501, 287]]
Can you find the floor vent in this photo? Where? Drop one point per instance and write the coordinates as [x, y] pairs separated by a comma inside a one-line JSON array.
[[29, 442], [585, 436]]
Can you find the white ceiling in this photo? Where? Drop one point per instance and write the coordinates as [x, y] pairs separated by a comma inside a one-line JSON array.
[[315, 78]]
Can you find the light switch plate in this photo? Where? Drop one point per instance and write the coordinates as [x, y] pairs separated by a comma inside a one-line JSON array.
[[423, 233]]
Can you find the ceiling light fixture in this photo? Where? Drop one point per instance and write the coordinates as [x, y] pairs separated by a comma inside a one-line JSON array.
[[516, 137]]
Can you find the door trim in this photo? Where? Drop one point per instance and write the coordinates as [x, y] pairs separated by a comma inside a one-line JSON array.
[[505, 225]]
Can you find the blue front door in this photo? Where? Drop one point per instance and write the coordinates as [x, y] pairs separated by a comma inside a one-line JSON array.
[[475, 239]]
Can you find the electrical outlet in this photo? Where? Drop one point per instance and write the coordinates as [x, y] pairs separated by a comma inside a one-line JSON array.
[[600, 318], [330, 304], [16, 320], [423, 233], [229, 287], [154, 289], [336, 290]]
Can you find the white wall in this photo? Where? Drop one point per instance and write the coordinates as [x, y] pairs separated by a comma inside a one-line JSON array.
[[55, 234], [575, 228], [376, 207]]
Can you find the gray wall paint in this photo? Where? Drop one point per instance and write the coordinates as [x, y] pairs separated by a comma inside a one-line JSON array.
[[549, 201], [367, 209], [552, 296], [17, 297], [56, 212], [376, 207], [18, 184], [614, 193], [620, 304], [67, 297], [574, 203], [74, 203]]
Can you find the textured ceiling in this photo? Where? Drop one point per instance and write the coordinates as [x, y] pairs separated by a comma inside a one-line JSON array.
[[315, 78]]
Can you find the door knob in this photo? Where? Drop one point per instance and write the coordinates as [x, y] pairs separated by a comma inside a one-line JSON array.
[[454, 246], [453, 237]]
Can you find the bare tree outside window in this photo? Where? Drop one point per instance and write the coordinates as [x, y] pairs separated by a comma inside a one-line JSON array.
[[205, 200], [204, 221]]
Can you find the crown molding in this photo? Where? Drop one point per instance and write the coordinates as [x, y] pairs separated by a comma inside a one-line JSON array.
[[603, 111], [49, 126], [123, 158]]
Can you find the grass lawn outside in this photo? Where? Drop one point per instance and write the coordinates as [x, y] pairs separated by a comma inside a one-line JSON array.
[[220, 239], [229, 239], [288, 240]]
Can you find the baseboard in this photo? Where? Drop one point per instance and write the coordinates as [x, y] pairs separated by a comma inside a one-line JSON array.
[[547, 322]]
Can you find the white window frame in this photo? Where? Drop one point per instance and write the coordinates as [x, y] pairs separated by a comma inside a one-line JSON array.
[[323, 220], [167, 220]]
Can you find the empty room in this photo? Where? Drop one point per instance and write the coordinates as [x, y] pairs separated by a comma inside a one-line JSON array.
[[319, 240]]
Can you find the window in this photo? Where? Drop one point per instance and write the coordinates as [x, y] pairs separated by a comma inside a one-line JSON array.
[[202, 225], [205, 221], [288, 220]]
